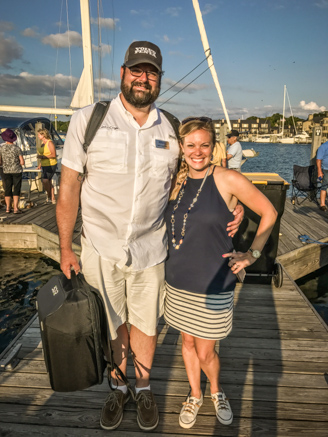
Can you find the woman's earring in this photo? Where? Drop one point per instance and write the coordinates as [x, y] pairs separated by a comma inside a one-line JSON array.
[[212, 157], [183, 158]]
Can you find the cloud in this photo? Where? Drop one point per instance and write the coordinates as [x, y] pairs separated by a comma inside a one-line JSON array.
[[9, 51], [31, 33], [6, 26], [63, 40], [36, 85], [208, 8], [105, 49], [107, 23], [174, 12], [322, 4], [165, 38], [311, 106]]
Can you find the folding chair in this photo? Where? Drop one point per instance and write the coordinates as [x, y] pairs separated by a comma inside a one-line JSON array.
[[304, 184]]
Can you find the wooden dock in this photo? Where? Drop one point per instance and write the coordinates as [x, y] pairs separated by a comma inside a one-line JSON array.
[[274, 363]]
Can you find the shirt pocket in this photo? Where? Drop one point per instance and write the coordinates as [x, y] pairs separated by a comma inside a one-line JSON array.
[[164, 163], [108, 151]]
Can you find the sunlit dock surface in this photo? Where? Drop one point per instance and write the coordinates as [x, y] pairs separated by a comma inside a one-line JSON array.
[[274, 363]]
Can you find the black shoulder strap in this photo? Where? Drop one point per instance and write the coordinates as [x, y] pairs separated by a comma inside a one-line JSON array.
[[175, 123], [98, 114]]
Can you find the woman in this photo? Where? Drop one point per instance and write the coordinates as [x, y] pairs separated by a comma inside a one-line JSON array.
[[12, 161], [47, 154], [201, 266]]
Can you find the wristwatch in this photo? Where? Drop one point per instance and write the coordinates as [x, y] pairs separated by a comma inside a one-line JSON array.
[[255, 253]]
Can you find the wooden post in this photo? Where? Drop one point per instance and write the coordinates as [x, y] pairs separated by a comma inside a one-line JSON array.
[[38, 144], [316, 143]]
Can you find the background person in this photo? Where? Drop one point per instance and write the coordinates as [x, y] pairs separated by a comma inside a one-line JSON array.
[[123, 199], [322, 167], [12, 161], [47, 154], [234, 151], [201, 266]]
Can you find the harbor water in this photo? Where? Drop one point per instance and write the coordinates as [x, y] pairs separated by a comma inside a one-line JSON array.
[[21, 277]]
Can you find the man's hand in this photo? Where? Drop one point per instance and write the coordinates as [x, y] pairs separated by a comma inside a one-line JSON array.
[[233, 226], [68, 261]]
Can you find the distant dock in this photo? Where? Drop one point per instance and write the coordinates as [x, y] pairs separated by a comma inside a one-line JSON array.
[[274, 363]]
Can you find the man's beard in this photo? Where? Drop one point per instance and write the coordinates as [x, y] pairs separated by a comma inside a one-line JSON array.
[[139, 99]]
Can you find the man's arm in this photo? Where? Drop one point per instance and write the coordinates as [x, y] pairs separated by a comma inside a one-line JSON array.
[[66, 213], [320, 172], [233, 226], [229, 156]]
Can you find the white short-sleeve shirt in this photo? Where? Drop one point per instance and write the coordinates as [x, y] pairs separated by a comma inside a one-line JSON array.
[[129, 173], [237, 155]]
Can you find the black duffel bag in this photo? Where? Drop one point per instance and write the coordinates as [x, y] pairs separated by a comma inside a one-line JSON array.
[[73, 331]]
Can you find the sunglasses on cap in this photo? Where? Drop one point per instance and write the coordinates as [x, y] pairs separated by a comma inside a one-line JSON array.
[[202, 119]]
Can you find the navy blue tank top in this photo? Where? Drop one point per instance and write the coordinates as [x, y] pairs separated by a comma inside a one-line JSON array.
[[198, 265]]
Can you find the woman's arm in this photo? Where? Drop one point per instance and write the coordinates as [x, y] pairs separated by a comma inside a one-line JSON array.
[[52, 150], [249, 195]]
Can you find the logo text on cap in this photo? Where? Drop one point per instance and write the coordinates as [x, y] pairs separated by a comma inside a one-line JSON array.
[[145, 50]]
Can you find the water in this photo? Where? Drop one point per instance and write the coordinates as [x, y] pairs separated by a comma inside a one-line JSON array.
[[21, 276], [315, 288], [277, 158]]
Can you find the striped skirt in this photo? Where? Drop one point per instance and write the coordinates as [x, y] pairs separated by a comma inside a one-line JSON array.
[[208, 317]]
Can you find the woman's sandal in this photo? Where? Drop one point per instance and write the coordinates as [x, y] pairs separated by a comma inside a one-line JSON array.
[[8, 211], [19, 211]]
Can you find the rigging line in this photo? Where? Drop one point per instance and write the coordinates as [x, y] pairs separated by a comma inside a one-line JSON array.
[[184, 77], [56, 64], [185, 86], [99, 52], [69, 50], [113, 48], [290, 107]]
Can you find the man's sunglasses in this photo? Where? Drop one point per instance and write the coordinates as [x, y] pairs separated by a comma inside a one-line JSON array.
[[138, 72], [202, 119]]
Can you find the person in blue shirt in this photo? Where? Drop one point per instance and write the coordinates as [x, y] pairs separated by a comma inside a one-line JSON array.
[[322, 166]]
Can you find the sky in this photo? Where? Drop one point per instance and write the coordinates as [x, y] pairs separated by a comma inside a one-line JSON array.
[[258, 46]]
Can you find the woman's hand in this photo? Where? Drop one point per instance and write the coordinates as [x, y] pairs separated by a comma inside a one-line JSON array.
[[233, 227], [239, 260]]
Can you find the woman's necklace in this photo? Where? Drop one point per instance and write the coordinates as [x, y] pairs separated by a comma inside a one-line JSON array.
[[183, 230]]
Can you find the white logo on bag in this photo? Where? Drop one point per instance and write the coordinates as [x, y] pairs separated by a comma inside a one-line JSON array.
[[145, 50], [55, 290]]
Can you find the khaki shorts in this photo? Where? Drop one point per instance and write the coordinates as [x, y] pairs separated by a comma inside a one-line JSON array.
[[130, 296]]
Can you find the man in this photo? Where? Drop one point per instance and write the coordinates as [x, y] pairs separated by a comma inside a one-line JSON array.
[[130, 164], [234, 151], [322, 167]]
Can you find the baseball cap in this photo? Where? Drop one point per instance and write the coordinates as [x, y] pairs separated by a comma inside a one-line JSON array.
[[143, 52], [233, 133]]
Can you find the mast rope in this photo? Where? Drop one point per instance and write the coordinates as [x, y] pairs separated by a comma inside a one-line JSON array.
[[176, 83], [185, 86], [57, 53], [69, 50]]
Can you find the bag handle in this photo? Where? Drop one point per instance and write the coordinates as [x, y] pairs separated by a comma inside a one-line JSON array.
[[74, 279]]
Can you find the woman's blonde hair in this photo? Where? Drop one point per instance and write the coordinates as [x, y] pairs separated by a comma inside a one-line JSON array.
[[185, 129], [45, 132]]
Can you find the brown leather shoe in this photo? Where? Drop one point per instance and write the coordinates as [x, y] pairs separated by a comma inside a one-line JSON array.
[[147, 410], [112, 412]]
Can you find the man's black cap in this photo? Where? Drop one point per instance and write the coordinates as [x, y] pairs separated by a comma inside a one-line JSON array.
[[233, 133], [143, 52]]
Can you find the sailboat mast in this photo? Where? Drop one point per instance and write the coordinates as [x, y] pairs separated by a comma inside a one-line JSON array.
[[210, 61], [283, 114], [84, 94]]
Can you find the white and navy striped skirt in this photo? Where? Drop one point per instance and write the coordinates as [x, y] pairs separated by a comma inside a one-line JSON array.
[[209, 317]]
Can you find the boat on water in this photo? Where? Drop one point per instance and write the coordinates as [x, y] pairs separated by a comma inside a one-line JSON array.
[[25, 129]]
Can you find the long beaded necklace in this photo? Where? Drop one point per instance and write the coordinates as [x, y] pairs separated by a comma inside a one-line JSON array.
[[183, 230]]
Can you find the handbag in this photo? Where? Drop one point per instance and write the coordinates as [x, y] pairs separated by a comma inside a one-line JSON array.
[[74, 333]]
